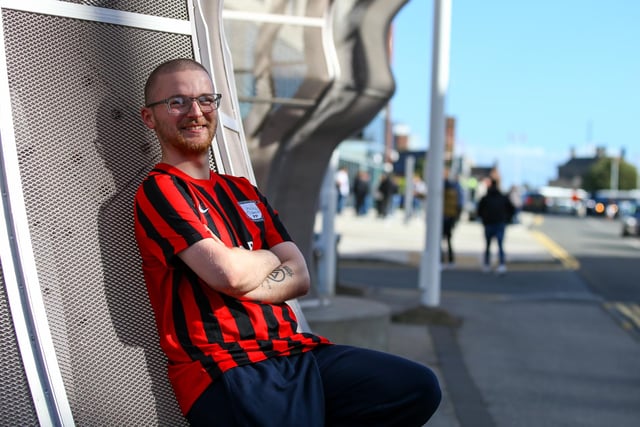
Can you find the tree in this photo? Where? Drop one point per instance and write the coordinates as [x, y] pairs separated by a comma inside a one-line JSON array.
[[598, 177]]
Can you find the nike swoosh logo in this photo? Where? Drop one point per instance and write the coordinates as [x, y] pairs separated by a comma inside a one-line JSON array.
[[203, 209]]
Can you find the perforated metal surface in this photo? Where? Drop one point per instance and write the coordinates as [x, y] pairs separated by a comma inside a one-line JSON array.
[[82, 153], [16, 408], [176, 9]]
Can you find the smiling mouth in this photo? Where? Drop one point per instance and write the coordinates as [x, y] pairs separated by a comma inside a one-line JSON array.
[[194, 127]]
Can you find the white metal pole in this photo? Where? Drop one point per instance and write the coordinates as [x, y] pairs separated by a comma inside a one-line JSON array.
[[429, 276], [327, 260], [615, 173]]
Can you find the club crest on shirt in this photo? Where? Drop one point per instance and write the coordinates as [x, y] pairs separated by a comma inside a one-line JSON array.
[[250, 207]]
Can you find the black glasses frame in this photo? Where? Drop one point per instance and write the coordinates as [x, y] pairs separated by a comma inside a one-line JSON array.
[[205, 109]]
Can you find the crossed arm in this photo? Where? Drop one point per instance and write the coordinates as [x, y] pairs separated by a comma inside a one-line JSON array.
[[274, 275]]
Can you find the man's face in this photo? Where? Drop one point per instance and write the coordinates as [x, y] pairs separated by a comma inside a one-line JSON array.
[[185, 134]]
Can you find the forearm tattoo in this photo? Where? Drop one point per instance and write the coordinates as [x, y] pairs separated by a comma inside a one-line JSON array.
[[280, 273]]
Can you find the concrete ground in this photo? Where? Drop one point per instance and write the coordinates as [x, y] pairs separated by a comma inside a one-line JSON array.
[[510, 350]]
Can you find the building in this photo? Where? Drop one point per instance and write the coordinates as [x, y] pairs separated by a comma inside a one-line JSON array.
[[570, 174]]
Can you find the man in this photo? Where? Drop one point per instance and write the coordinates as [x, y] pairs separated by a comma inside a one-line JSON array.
[[451, 210], [361, 190], [387, 188], [342, 187], [496, 211], [219, 267]]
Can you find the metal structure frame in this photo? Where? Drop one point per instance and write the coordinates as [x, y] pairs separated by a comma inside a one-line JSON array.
[[288, 143], [24, 297]]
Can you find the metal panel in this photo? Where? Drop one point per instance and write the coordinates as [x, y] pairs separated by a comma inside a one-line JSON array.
[[169, 9], [73, 153], [76, 88]]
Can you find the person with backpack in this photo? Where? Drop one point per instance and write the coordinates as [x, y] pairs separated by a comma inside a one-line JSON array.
[[453, 200]]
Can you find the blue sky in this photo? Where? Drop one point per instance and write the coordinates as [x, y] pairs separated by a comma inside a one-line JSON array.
[[529, 80]]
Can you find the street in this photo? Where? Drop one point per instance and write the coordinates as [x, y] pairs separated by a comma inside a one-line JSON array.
[[608, 262], [541, 345], [547, 344]]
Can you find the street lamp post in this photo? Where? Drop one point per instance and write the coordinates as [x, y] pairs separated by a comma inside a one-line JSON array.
[[429, 276]]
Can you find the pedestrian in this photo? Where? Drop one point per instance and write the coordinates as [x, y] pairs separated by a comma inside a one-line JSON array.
[[387, 188], [219, 267], [495, 211], [342, 187], [361, 189], [516, 200], [453, 200], [419, 194]]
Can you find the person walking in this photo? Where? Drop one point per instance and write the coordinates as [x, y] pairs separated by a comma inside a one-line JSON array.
[[342, 187], [451, 210], [387, 188], [220, 266], [361, 189], [495, 211], [419, 195], [516, 199]]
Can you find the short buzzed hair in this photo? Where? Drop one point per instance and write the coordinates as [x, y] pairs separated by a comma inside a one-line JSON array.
[[169, 66]]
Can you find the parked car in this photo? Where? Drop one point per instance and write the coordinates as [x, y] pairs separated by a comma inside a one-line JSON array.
[[564, 200], [630, 220], [610, 203], [596, 206], [534, 202]]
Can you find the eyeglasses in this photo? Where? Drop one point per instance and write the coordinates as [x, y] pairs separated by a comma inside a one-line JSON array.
[[181, 104]]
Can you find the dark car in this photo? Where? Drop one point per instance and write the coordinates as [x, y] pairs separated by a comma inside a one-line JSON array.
[[597, 206], [631, 222], [612, 203], [534, 202]]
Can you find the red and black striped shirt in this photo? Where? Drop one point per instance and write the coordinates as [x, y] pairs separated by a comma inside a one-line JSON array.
[[203, 332]]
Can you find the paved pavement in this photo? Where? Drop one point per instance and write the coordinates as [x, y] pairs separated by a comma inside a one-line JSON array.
[[532, 347]]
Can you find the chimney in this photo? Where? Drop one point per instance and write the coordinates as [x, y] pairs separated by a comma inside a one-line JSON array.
[[401, 137]]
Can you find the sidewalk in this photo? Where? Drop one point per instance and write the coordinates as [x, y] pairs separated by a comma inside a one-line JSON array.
[[389, 252], [517, 349], [396, 240]]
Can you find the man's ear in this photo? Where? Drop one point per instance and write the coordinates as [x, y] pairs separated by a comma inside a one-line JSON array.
[[147, 117]]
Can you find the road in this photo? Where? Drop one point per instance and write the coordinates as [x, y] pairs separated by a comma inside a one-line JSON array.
[[608, 263], [539, 346]]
